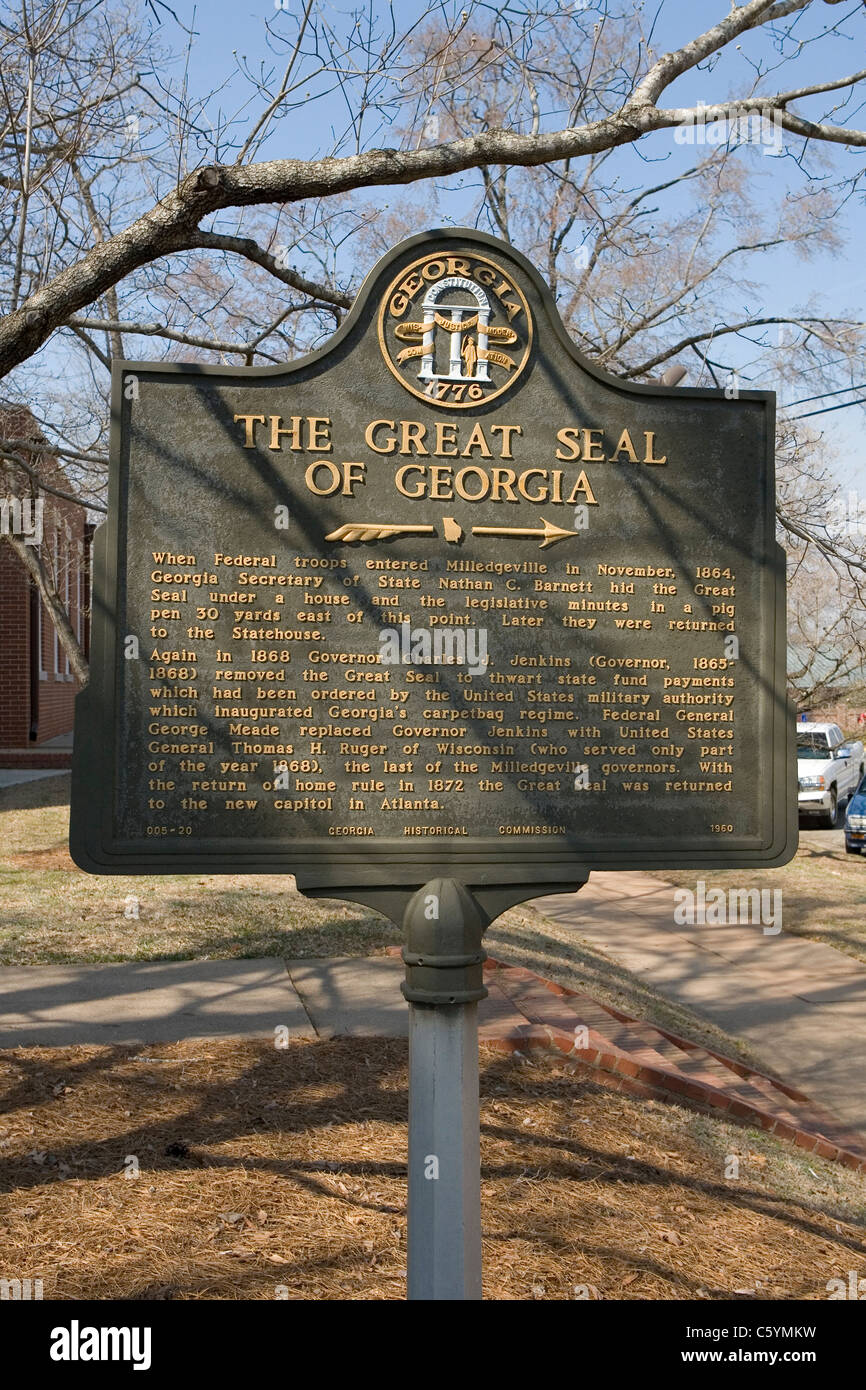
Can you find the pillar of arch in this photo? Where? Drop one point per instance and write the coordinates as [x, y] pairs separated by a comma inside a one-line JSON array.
[[481, 305]]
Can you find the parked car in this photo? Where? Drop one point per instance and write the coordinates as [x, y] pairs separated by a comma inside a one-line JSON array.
[[829, 769], [855, 821]]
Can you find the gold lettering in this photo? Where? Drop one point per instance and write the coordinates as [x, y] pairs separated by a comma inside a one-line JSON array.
[[582, 486], [440, 480], [503, 480], [370, 437], [477, 440], [318, 430], [412, 283], [413, 432], [590, 445], [541, 495], [649, 436], [570, 437], [506, 431], [334, 474], [626, 445], [460, 484], [293, 430], [400, 478], [249, 422], [443, 438]]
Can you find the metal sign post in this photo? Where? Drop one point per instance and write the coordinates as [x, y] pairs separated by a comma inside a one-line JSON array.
[[444, 1209], [444, 957]]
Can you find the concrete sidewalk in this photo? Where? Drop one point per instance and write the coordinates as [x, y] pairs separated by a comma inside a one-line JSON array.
[[800, 1005], [147, 1001], [164, 1001], [11, 776]]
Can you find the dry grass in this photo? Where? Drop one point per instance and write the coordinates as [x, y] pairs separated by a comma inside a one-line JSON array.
[[823, 891], [52, 912], [268, 1174]]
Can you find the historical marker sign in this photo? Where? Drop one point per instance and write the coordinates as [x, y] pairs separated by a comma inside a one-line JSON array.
[[440, 598]]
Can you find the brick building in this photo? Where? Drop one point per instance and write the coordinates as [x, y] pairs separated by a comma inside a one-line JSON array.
[[37, 687], [847, 709]]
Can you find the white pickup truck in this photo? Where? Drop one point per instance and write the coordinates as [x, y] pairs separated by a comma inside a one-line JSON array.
[[829, 769]]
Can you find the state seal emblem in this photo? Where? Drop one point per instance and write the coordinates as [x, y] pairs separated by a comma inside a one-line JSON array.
[[455, 329]]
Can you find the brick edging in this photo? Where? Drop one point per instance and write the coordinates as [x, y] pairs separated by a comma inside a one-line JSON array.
[[647, 1078], [820, 1133]]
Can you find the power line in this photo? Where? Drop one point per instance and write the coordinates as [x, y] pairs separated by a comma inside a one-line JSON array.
[[861, 400], [822, 395]]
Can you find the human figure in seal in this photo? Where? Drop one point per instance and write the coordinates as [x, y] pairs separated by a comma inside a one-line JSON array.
[[469, 355]]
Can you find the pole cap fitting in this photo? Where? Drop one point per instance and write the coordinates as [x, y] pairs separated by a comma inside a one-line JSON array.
[[443, 954]]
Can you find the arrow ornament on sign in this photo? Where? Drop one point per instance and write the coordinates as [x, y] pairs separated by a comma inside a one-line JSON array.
[[550, 533], [376, 531]]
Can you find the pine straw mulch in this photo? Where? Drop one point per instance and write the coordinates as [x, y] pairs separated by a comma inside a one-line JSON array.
[[268, 1174]]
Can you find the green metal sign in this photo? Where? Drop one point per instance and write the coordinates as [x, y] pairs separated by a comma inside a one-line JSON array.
[[441, 598]]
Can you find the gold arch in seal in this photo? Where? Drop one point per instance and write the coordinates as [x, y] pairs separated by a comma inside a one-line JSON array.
[[450, 254]]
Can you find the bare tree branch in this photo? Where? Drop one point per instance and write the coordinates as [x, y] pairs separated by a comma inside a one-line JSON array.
[[35, 567], [246, 246], [11, 456]]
